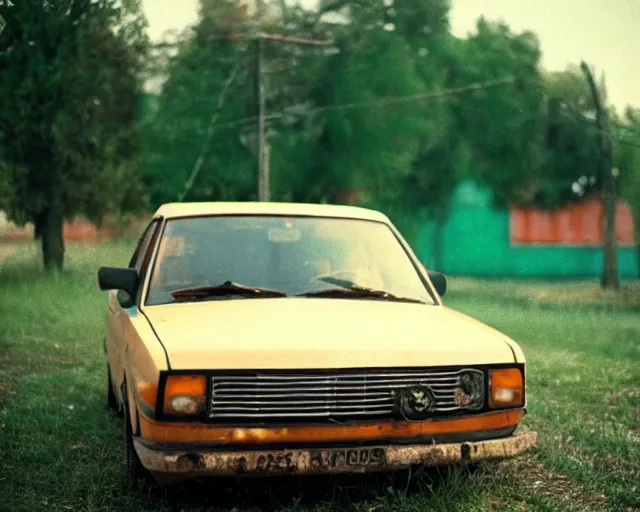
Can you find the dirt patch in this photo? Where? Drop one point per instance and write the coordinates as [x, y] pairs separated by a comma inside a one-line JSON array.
[[536, 478], [531, 477]]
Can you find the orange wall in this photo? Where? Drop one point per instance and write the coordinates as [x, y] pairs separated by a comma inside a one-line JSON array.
[[576, 224]]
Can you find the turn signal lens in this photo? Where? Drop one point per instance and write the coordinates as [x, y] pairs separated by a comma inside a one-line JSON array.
[[506, 388], [147, 393], [184, 395]]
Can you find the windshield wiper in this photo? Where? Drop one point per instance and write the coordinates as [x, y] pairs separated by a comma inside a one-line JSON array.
[[351, 290], [221, 290]]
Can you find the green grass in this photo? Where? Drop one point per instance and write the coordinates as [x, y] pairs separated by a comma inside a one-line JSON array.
[[60, 449]]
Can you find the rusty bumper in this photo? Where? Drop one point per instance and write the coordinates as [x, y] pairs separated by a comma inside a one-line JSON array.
[[357, 459]]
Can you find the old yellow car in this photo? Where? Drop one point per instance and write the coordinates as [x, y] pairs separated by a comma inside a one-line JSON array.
[[255, 339]]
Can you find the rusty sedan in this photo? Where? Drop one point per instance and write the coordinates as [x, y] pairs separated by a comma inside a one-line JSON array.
[[271, 339]]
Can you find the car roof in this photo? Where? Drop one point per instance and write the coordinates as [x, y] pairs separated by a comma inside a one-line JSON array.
[[175, 210]]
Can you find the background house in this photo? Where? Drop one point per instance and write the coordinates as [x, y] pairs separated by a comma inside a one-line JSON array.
[[479, 239]]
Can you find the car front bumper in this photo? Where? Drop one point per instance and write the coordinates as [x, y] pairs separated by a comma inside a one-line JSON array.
[[169, 465]]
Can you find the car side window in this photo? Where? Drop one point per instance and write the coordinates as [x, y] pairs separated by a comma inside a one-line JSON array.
[[141, 249]]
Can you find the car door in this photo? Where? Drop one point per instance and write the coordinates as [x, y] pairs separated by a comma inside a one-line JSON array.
[[117, 316]]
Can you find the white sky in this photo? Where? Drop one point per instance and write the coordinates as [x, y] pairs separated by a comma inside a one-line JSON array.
[[605, 33]]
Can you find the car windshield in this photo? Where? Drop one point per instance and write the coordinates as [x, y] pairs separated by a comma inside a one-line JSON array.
[[296, 256]]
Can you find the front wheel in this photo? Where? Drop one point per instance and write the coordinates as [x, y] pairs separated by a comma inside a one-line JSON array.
[[135, 474], [112, 403]]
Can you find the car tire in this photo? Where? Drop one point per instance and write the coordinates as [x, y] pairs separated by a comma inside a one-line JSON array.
[[112, 403], [136, 475]]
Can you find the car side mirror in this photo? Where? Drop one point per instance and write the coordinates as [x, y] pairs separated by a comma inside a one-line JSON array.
[[124, 280], [439, 281]]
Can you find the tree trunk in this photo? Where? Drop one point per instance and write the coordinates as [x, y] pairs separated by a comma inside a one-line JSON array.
[[38, 223], [610, 277], [52, 241]]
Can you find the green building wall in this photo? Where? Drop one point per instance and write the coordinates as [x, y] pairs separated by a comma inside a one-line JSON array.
[[475, 241]]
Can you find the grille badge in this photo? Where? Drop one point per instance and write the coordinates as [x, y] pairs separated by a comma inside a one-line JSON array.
[[415, 402]]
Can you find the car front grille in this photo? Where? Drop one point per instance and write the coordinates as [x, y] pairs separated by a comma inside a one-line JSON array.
[[328, 395]]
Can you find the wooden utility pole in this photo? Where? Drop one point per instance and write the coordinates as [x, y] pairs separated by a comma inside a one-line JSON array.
[[261, 170], [610, 278], [262, 144], [263, 190]]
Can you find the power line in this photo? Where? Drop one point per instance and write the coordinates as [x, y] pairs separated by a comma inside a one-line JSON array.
[[345, 106], [591, 123], [382, 102], [419, 96]]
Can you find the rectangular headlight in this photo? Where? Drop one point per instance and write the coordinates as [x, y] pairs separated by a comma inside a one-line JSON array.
[[506, 388], [184, 395]]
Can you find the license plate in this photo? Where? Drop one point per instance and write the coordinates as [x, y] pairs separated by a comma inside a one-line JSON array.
[[348, 457], [326, 460]]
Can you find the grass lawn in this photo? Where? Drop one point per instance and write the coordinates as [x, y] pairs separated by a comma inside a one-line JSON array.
[[60, 449]]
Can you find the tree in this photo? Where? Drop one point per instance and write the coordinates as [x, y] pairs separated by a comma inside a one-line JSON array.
[[367, 148], [610, 278], [442, 158], [571, 170], [504, 126], [69, 88], [208, 86], [627, 160]]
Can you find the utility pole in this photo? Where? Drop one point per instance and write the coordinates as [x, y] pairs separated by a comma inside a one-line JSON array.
[[262, 144], [262, 169], [263, 150], [610, 278]]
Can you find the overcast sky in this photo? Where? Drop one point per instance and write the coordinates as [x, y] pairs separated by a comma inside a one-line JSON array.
[[605, 33]]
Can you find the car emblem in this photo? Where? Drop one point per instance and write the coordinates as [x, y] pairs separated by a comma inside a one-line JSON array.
[[415, 402]]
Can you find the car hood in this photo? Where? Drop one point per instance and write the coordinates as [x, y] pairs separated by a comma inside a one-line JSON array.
[[322, 333]]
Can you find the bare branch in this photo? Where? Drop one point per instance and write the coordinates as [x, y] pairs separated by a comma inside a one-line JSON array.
[[210, 129]]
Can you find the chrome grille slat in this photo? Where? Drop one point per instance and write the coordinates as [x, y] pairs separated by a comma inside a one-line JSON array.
[[231, 395], [276, 394], [314, 382], [296, 376], [319, 408], [300, 414], [298, 402], [270, 396], [351, 388]]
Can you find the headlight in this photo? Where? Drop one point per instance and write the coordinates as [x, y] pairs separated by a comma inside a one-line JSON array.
[[470, 394], [184, 395], [506, 388]]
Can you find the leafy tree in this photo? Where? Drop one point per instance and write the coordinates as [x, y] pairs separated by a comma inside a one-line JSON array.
[[69, 88], [441, 161], [368, 148], [209, 85], [504, 125], [571, 170], [627, 160]]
